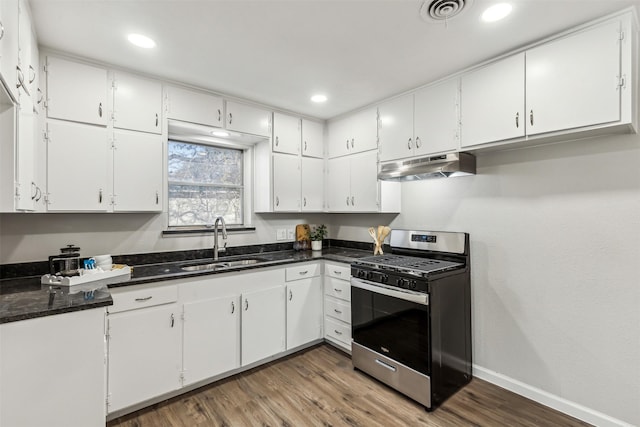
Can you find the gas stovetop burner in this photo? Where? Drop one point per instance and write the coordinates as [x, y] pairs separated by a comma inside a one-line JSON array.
[[407, 264]]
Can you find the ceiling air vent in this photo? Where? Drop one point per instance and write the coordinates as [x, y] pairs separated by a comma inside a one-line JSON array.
[[442, 10]]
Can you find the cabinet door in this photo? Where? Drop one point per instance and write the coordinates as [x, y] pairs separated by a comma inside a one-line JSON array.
[[339, 184], [436, 119], [137, 104], [194, 107], [396, 128], [286, 134], [211, 338], [76, 92], [364, 182], [137, 171], [312, 184], [26, 72], [9, 44], [364, 131], [492, 105], [312, 138], [263, 324], [248, 119], [339, 138], [286, 183], [27, 190], [144, 355], [304, 311], [571, 82], [69, 391], [77, 167]]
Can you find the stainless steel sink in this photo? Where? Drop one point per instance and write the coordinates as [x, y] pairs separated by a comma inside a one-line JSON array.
[[221, 264]]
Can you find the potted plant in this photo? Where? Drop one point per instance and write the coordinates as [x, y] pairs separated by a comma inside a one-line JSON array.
[[316, 237]]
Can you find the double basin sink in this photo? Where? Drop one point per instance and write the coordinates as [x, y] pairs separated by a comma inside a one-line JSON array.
[[219, 265]]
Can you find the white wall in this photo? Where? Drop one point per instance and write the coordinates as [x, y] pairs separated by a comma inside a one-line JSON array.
[[555, 247]]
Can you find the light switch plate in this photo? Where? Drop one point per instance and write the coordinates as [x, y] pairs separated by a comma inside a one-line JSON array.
[[290, 234], [281, 234]]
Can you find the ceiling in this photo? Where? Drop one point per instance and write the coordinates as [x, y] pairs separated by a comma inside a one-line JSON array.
[[280, 53]]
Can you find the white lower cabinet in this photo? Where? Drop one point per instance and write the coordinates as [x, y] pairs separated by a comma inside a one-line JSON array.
[[53, 370], [263, 324], [337, 304], [211, 338], [144, 346], [304, 305]]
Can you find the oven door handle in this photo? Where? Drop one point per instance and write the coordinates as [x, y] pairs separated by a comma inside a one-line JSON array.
[[416, 297]]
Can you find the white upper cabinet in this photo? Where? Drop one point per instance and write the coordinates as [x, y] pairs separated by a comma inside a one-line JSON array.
[[574, 81], [287, 134], [26, 70], [424, 122], [286, 183], [312, 138], [493, 102], [137, 171], [194, 107], [77, 167], [9, 44], [76, 92], [312, 184], [137, 103], [248, 119], [354, 134]]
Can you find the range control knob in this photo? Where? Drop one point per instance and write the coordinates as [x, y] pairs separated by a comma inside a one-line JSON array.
[[362, 273], [403, 283], [384, 278], [413, 284]]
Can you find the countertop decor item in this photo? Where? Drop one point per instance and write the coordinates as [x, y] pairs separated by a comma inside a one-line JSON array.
[[378, 236], [316, 237]]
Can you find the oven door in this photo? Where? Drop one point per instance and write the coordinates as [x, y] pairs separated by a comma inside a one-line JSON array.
[[392, 322]]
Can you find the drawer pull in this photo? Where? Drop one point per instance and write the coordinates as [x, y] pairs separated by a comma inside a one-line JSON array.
[[337, 272], [337, 332], [386, 365], [337, 311], [302, 273], [233, 307], [337, 290], [173, 320], [144, 299]]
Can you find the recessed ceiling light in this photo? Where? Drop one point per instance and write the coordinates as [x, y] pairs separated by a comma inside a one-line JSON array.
[[319, 98], [496, 12], [220, 133], [141, 41]]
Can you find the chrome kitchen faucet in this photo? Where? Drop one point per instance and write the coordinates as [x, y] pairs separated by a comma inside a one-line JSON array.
[[215, 236]]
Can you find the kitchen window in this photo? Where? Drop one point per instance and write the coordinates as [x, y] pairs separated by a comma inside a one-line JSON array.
[[204, 182]]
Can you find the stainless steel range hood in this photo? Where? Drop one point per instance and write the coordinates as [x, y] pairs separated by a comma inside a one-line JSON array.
[[446, 165]]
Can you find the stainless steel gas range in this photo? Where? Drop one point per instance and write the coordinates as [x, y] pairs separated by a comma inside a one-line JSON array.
[[411, 315]]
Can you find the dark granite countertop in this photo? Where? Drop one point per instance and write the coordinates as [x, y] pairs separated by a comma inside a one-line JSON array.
[[22, 298]]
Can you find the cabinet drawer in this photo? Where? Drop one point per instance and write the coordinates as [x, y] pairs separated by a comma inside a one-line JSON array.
[[337, 309], [337, 330], [140, 298], [339, 271], [302, 271], [337, 288]]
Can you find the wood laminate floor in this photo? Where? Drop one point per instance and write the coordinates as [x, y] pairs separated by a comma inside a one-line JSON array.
[[319, 387]]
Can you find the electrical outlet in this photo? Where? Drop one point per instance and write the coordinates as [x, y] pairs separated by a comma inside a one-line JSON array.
[[281, 234], [290, 234]]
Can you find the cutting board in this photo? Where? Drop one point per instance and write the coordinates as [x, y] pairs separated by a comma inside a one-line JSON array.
[[302, 232]]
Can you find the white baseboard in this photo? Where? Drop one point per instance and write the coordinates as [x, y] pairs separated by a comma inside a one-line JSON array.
[[551, 400]]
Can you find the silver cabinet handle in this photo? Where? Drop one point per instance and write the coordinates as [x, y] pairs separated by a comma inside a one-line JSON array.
[[337, 272], [34, 190], [409, 143], [230, 118], [157, 198], [246, 304], [144, 299], [233, 307], [32, 75], [100, 110], [337, 311], [219, 115], [304, 201], [173, 320], [305, 146], [517, 119], [100, 196], [347, 144], [290, 295], [38, 194], [386, 365], [302, 273], [347, 200], [1, 30], [353, 202], [40, 97], [337, 332], [531, 117], [277, 201], [156, 119], [418, 143], [352, 142], [277, 141], [337, 290], [20, 81]]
